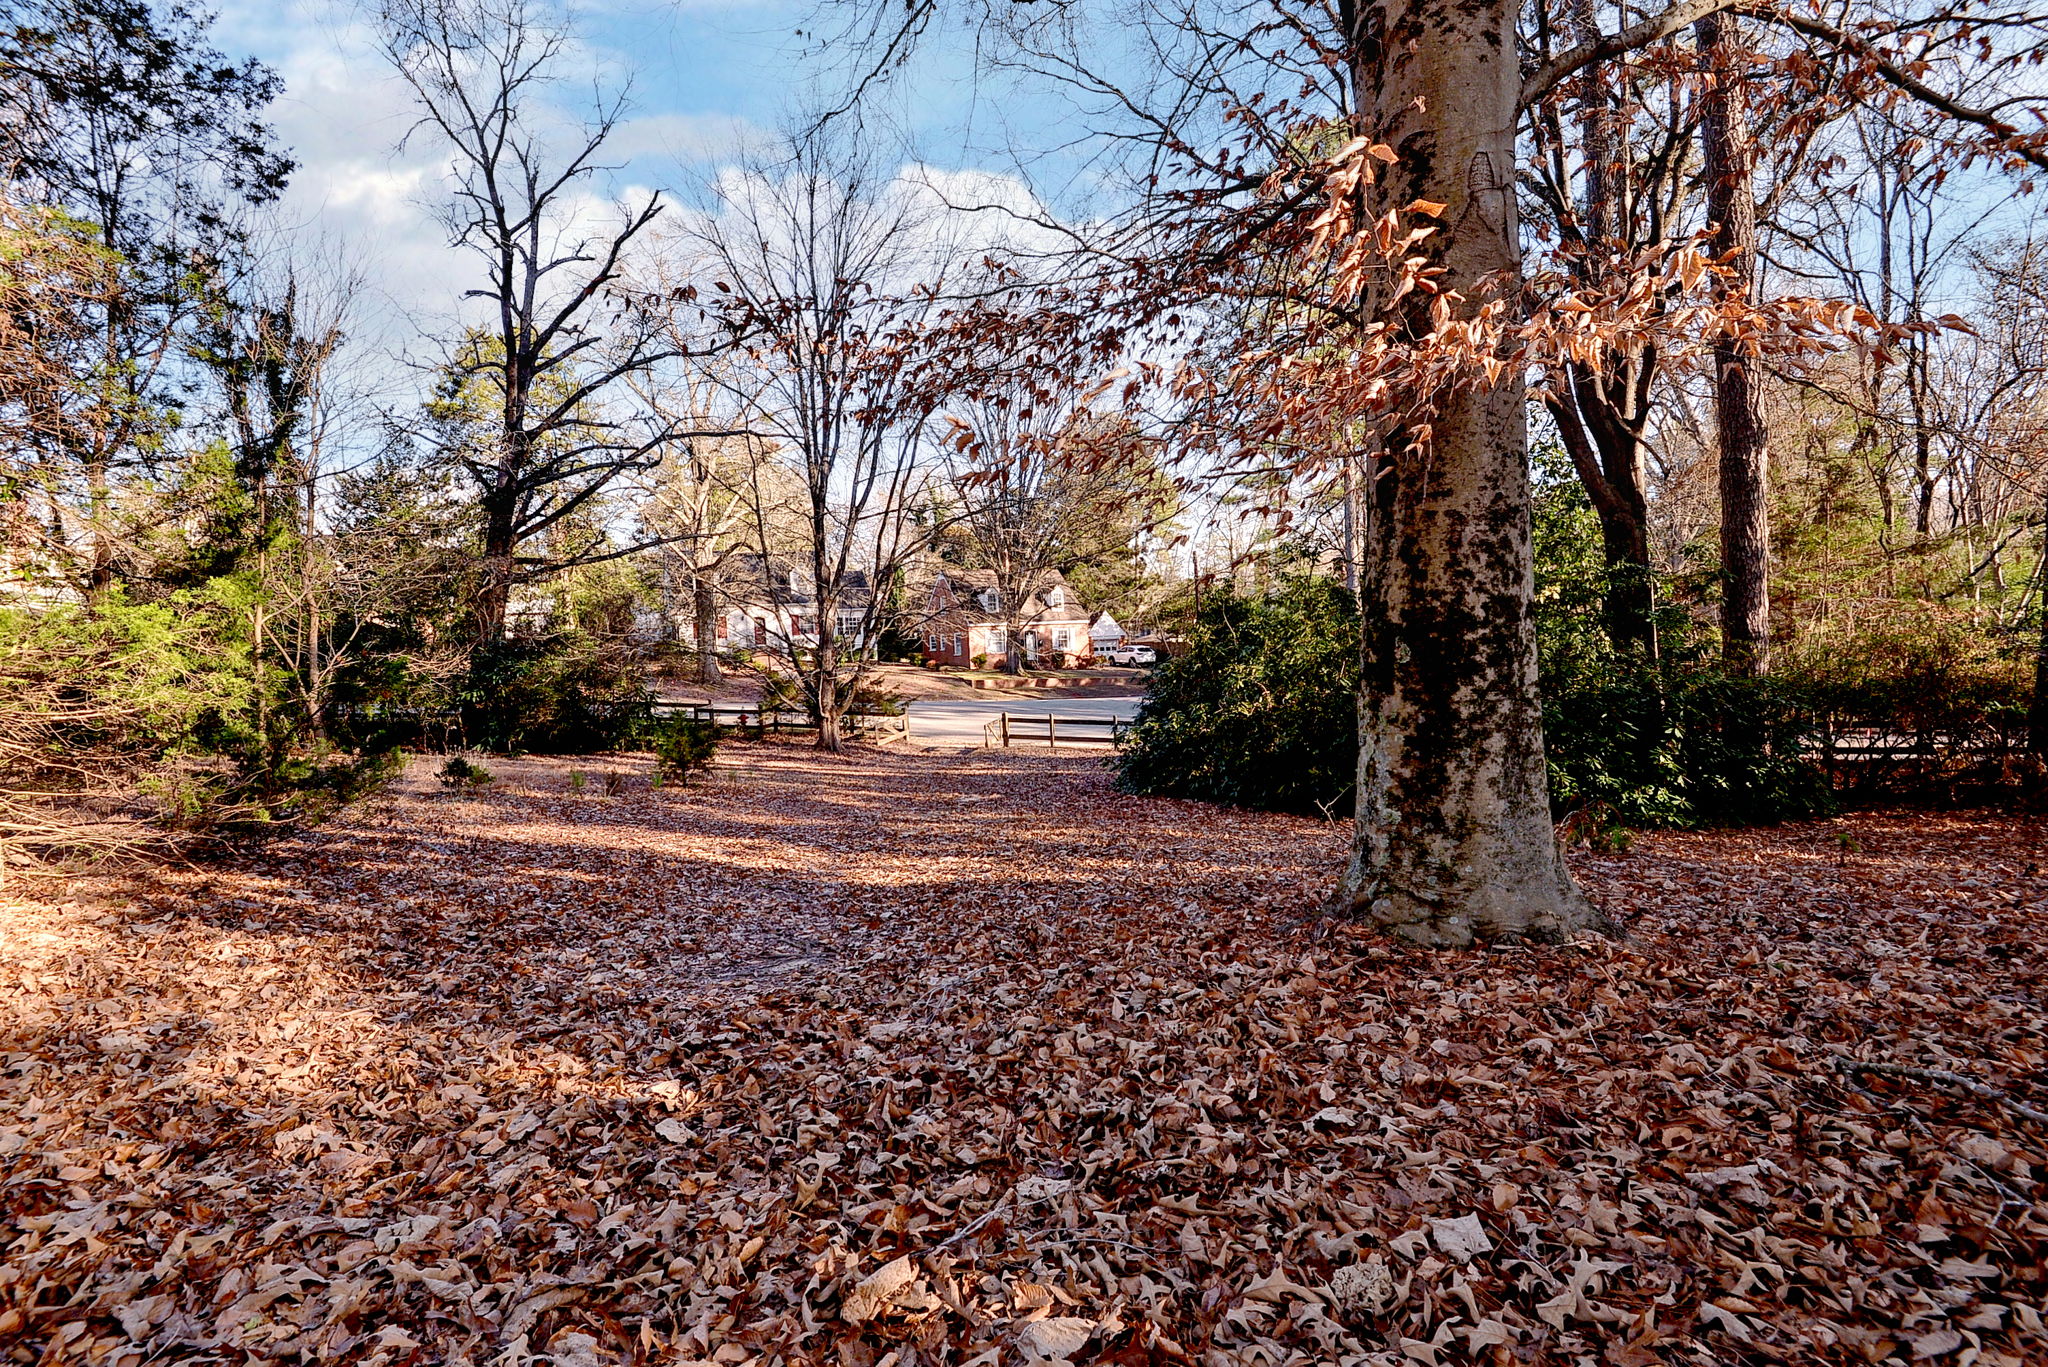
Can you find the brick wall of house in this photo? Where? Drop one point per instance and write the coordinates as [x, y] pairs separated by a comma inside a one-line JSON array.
[[956, 630], [957, 644]]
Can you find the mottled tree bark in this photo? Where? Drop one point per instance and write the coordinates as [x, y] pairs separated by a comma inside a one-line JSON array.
[[1454, 841], [1729, 157], [704, 627]]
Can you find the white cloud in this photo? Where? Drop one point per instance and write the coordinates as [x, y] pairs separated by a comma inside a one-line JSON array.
[[343, 115], [365, 185], [371, 181]]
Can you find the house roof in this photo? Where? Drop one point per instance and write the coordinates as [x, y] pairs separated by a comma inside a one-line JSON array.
[[966, 586], [749, 579]]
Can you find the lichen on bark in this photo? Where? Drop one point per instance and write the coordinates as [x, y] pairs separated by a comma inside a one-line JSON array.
[[1454, 842]]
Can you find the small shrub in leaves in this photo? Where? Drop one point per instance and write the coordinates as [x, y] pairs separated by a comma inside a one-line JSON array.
[[460, 775], [684, 746]]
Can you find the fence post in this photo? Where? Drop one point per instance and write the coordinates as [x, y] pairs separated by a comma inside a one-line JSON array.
[[1052, 733], [1006, 729]]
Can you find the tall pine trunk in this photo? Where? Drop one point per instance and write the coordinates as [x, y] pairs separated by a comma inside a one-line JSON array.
[[1454, 840], [1729, 169]]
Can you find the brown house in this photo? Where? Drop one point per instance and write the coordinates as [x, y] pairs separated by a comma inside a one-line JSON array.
[[965, 620]]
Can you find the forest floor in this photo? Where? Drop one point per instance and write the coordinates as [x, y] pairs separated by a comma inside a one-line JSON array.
[[905, 1060]]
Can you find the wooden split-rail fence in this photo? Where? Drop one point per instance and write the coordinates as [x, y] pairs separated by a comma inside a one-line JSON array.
[[1012, 728], [877, 726]]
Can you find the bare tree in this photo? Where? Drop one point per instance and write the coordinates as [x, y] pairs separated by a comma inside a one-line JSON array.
[[565, 331], [1041, 483], [701, 506], [270, 341], [828, 269], [2011, 385], [1607, 191]]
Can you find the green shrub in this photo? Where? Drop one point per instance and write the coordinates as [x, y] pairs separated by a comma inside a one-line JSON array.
[[1676, 743], [684, 746], [782, 693], [1260, 710], [108, 719], [1921, 669], [461, 775], [303, 788], [566, 694], [1640, 742], [896, 644]]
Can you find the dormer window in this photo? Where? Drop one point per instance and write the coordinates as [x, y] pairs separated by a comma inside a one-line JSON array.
[[1055, 598], [991, 600]]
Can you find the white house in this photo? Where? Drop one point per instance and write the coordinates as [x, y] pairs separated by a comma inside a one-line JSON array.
[[1105, 631], [771, 606]]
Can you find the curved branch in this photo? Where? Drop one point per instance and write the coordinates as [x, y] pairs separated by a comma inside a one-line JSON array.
[[1894, 75], [1640, 34]]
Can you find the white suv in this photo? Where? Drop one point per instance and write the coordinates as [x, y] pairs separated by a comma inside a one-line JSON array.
[[1129, 655]]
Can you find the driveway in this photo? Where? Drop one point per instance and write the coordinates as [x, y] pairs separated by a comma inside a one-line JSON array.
[[956, 724]]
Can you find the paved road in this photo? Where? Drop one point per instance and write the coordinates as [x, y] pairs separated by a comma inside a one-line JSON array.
[[955, 724]]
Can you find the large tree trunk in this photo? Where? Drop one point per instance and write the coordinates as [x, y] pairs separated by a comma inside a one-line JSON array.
[[497, 568], [704, 628], [1454, 840], [2037, 712], [829, 707], [1738, 413], [494, 594]]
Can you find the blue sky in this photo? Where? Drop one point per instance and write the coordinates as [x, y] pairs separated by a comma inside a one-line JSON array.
[[704, 78]]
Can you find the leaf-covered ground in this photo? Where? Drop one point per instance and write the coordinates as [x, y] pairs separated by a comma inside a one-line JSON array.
[[903, 1059]]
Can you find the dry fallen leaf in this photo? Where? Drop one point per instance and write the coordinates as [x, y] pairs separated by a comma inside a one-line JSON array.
[[1461, 1238], [877, 1289], [523, 1076], [1057, 1338]]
